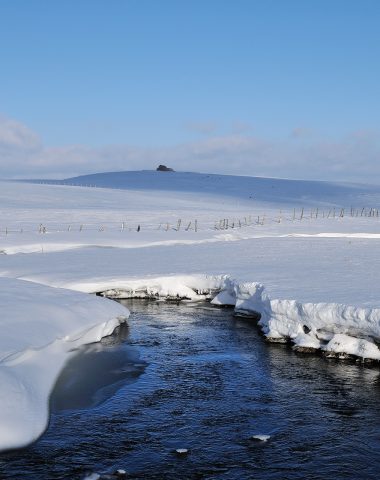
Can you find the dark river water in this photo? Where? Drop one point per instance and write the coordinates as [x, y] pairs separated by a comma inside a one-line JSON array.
[[194, 377]]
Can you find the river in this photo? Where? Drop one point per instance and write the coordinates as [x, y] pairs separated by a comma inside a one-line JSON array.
[[194, 377]]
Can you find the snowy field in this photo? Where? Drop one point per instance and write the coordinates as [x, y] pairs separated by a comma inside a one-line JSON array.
[[302, 254]]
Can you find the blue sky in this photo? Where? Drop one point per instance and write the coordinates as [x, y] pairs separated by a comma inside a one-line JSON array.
[[268, 87]]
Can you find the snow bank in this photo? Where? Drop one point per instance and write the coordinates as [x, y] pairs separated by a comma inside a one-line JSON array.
[[185, 287], [331, 327], [358, 347], [40, 328]]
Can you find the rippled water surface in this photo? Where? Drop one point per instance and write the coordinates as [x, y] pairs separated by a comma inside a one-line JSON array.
[[195, 377]]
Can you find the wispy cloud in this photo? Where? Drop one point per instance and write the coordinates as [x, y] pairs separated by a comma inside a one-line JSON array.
[[241, 127], [301, 132], [16, 136], [204, 128], [353, 158]]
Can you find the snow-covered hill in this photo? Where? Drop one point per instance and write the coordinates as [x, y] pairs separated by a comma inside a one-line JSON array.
[[273, 190]]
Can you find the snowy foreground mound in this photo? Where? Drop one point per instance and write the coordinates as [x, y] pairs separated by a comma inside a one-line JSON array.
[[40, 328]]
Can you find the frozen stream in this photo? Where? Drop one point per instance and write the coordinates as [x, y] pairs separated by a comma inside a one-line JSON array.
[[194, 377]]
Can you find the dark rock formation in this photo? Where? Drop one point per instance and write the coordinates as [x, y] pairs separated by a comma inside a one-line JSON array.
[[164, 168]]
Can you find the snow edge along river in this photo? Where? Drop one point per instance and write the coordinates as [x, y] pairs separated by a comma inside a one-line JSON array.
[[336, 329]]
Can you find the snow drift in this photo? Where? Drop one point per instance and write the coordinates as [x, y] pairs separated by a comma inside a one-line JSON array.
[[40, 328]]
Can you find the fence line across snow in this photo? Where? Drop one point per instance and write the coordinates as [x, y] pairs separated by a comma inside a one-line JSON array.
[[195, 225]]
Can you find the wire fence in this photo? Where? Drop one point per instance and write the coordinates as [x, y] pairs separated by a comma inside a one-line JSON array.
[[195, 225]]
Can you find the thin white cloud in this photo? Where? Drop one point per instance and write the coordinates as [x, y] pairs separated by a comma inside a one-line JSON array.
[[204, 128], [14, 135], [241, 127], [353, 158], [301, 132]]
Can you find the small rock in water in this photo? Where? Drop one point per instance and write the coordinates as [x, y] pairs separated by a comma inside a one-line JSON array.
[[92, 476], [182, 451], [261, 438], [120, 473]]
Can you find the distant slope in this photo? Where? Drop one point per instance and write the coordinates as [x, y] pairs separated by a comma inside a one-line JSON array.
[[264, 189]]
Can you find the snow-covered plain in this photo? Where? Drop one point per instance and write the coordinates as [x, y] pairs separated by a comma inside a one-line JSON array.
[[302, 254]]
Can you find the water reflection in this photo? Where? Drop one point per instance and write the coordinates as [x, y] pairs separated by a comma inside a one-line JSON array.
[[96, 372]]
